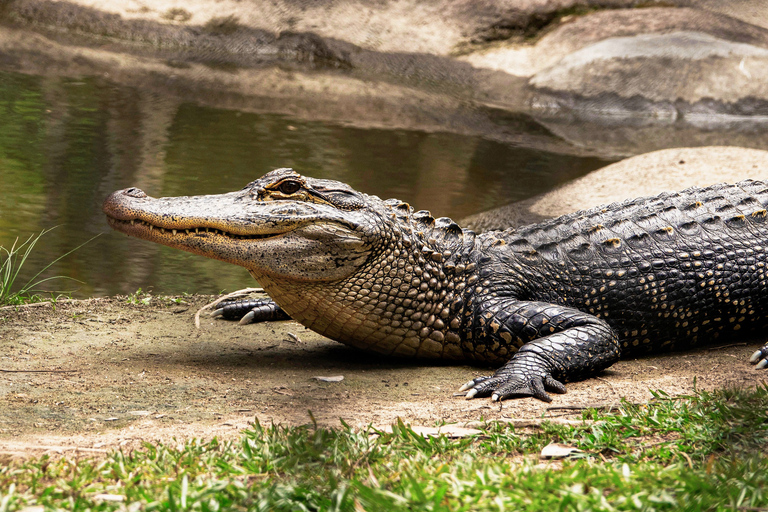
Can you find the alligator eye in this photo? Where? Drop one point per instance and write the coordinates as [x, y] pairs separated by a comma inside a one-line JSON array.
[[289, 187]]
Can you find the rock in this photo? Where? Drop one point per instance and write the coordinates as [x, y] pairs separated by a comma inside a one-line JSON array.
[[580, 32], [643, 175], [663, 63], [627, 65]]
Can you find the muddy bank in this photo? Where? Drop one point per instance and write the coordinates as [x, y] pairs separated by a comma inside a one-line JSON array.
[[103, 373]]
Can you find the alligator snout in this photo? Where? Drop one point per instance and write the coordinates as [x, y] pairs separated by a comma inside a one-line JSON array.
[[118, 203]]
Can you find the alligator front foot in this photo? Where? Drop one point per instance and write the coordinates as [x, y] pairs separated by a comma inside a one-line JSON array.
[[516, 379], [760, 358], [250, 311]]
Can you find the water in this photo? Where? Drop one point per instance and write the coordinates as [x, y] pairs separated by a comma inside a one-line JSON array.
[[65, 144]]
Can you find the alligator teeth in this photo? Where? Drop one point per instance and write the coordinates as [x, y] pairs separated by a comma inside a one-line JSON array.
[[174, 231], [132, 221], [151, 227], [187, 231]]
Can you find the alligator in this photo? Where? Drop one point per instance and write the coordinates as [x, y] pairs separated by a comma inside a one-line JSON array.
[[549, 303]]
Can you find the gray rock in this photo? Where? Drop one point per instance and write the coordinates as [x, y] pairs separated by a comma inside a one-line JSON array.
[[681, 65], [643, 175]]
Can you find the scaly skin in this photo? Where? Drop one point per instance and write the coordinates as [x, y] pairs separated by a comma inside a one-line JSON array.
[[552, 302]]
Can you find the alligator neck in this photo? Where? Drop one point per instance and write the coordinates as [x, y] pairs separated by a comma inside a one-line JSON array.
[[408, 299]]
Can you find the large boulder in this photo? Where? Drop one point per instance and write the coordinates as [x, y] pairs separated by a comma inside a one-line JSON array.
[[643, 175]]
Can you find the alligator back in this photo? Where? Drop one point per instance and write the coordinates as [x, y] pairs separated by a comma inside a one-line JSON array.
[[669, 271]]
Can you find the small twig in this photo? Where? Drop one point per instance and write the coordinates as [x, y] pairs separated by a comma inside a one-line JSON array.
[[688, 458], [609, 383], [727, 346], [237, 293], [38, 371], [20, 448], [598, 407]]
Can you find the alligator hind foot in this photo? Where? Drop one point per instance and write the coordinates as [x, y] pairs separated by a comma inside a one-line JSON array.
[[760, 358], [518, 378], [250, 311]]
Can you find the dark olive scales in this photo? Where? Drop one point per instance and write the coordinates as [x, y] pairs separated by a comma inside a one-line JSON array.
[[552, 302]]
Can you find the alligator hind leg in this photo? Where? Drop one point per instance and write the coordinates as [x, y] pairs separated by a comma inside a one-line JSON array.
[[563, 344], [760, 358], [250, 311]]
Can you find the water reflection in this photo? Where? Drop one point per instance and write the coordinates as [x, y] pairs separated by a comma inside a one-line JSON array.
[[65, 144]]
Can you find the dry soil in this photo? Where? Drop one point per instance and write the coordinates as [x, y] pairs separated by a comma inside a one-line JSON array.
[[103, 373]]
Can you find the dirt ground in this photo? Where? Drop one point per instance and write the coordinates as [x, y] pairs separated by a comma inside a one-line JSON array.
[[88, 376]]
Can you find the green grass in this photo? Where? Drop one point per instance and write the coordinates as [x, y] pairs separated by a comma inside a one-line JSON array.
[[702, 452], [141, 297], [13, 259]]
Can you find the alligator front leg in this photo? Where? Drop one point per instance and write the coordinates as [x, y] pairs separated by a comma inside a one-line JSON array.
[[250, 311], [559, 344]]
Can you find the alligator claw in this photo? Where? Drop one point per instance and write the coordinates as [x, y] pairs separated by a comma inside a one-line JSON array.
[[472, 383], [248, 318], [760, 358], [250, 311]]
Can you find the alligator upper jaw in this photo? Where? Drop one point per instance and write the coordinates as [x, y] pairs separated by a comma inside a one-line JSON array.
[[176, 235], [172, 220]]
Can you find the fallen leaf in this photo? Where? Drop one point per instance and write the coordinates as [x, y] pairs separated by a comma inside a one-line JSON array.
[[109, 497], [335, 378], [558, 451]]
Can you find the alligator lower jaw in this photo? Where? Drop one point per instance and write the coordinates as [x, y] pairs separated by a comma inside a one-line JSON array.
[[171, 236]]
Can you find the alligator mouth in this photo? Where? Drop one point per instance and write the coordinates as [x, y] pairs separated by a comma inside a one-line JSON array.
[[147, 230]]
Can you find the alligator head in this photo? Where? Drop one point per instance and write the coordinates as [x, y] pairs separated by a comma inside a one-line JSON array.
[[343, 263], [282, 225]]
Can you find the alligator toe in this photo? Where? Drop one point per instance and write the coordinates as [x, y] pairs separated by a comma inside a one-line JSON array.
[[250, 311], [472, 383], [760, 358], [535, 386]]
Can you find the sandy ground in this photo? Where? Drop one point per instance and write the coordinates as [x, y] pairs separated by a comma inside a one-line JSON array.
[[93, 375]]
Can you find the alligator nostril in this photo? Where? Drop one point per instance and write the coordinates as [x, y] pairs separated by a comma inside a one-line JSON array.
[[135, 192]]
